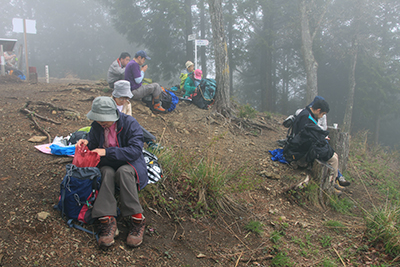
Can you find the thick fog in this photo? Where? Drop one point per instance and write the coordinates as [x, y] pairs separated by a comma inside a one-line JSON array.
[[354, 44]]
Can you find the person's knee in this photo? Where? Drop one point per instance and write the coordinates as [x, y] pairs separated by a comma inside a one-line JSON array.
[[157, 89], [126, 169]]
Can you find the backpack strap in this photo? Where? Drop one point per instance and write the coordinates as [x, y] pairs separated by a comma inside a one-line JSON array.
[[191, 76], [71, 224]]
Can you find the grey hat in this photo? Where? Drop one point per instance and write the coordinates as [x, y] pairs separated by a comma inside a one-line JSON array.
[[122, 88], [104, 108]]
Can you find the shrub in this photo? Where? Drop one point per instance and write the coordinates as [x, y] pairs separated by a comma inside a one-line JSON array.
[[247, 111], [383, 226]]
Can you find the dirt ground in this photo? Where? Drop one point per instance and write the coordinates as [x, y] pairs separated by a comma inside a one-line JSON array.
[[29, 184]]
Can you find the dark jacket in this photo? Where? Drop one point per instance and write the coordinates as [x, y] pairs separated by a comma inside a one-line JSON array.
[[304, 117], [129, 146], [308, 140]]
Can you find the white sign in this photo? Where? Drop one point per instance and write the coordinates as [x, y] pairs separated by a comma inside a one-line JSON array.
[[191, 37], [201, 42], [18, 25]]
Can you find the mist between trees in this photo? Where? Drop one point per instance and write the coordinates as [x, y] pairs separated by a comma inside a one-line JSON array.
[[273, 47]]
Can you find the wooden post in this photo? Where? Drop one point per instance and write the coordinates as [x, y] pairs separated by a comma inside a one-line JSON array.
[[3, 61], [26, 52]]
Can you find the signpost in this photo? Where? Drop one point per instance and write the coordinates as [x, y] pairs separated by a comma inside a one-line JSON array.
[[198, 43], [201, 42], [25, 26]]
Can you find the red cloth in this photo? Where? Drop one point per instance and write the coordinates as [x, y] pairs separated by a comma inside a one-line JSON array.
[[85, 158]]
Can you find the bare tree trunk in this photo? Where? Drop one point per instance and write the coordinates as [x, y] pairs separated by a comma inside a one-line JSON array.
[[203, 36], [352, 85], [188, 30], [222, 102], [230, 45], [285, 85], [306, 49]]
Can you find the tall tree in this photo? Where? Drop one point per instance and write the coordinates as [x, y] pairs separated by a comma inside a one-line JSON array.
[[203, 56], [222, 101], [189, 29], [307, 36]]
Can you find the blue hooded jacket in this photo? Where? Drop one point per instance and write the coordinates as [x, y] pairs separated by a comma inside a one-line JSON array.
[[129, 145]]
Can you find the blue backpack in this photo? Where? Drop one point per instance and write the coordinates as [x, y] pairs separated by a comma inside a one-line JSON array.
[[78, 191]]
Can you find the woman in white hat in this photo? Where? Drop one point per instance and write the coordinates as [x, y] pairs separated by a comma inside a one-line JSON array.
[[121, 95]]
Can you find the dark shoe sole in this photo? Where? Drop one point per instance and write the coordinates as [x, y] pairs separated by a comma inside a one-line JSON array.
[[344, 183]]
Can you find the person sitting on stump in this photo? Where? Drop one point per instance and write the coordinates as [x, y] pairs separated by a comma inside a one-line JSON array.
[[118, 139], [308, 142]]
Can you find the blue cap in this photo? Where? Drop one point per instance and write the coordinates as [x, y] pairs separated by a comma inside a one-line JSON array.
[[315, 100], [143, 54]]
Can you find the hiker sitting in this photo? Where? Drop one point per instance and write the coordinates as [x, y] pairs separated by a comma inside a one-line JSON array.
[[10, 59], [189, 69], [121, 95], [191, 82], [116, 71], [118, 139], [322, 123], [134, 73], [308, 142]]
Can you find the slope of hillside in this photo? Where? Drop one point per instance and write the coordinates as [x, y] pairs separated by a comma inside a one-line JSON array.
[[293, 232]]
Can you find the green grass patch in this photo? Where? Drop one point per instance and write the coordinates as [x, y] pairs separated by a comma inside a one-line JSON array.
[[281, 259], [276, 236], [198, 183], [341, 205], [254, 227], [383, 226], [336, 226], [325, 241], [247, 111]]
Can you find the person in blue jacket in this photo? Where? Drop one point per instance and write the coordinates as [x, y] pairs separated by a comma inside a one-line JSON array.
[[118, 139]]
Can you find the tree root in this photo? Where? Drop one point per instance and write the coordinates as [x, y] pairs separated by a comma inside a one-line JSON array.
[[32, 117], [31, 113]]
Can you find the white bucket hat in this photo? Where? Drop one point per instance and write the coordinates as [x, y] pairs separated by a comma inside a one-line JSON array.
[[122, 88], [104, 108]]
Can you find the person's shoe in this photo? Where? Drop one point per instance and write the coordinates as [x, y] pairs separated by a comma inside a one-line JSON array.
[[157, 107], [337, 186], [108, 230], [136, 232], [338, 193], [342, 181]]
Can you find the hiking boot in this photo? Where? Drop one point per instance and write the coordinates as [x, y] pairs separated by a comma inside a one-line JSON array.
[[342, 181], [108, 230], [136, 232], [337, 186], [157, 107], [338, 193]]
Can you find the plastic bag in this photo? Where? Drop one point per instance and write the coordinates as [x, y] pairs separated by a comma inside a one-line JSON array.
[[85, 158], [62, 150]]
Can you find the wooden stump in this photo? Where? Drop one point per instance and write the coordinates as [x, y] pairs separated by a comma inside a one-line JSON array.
[[340, 142], [321, 171], [320, 174]]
